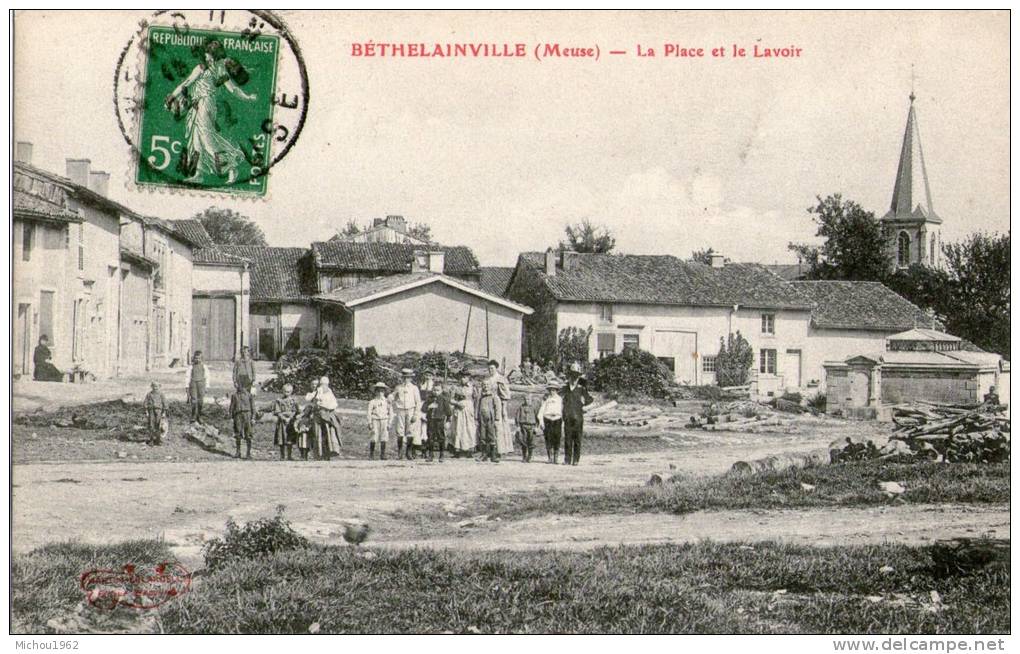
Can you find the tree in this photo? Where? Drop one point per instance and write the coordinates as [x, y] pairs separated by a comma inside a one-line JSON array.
[[420, 230], [733, 363], [854, 246], [349, 230], [703, 256], [572, 346], [228, 227], [587, 237]]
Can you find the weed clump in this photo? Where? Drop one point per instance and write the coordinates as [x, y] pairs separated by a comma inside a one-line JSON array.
[[255, 538]]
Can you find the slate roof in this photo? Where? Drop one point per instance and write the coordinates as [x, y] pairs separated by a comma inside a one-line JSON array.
[[664, 279], [495, 279], [911, 199], [30, 206], [860, 305], [276, 273], [390, 284], [193, 231], [388, 257]]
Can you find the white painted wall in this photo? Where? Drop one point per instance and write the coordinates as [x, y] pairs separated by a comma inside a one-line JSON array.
[[838, 345], [179, 289]]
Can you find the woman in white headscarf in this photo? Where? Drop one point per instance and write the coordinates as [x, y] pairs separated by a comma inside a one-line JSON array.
[[325, 424]]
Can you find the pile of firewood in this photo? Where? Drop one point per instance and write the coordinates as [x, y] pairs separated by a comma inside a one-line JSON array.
[[956, 434]]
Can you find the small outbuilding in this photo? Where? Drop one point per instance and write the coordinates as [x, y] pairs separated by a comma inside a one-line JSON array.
[[423, 311]]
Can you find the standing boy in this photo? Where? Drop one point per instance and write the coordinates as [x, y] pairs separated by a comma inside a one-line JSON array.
[[526, 419], [285, 409], [436, 413], [197, 383], [550, 421], [156, 412], [491, 412], [242, 409], [406, 410], [244, 370], [378, 421]]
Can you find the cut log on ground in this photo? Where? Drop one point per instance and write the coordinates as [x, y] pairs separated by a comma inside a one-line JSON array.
[[781, 462]]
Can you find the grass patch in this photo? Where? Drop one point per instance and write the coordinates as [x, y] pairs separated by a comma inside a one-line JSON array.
[[696, 588], [44, 583], [849, 484]]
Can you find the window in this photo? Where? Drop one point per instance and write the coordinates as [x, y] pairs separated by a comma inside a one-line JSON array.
[[631, 341], [606, 313], [27, 239], [767, 362], [81, 246], [158, 329], [605, 344], [78, 330], [708, 363], [768, 323], [903, 249], [932, 260]]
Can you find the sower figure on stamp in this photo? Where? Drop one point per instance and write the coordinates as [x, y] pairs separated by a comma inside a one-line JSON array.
[[494, 392], [550, 421], [156, 414], [197, 383], [575, 398], [406, 410], [242, 410], [379, 421], [285, 409]]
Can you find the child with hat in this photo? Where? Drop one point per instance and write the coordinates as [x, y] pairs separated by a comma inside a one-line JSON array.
[[379, 420], [550, 421]]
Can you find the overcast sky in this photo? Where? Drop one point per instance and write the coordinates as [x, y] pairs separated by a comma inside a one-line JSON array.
[[672, 154]]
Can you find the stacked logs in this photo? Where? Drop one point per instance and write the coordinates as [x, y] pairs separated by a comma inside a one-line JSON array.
[[955, 434]]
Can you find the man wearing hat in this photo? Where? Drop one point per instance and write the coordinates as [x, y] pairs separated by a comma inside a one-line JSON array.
[[494, 392], [406, 409], [575, 398]]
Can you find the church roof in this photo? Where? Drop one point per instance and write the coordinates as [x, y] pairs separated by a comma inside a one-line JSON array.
[[911, 199]]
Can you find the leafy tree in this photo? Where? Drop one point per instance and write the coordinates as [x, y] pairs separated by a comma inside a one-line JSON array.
[[854, 246], [350, 229], [421, 230], [587, 237], [703, 256], [733, 363], [633, 372], [573, 345], [228, 227]]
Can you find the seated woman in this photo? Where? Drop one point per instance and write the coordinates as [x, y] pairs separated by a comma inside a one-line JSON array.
[[325, 424], [42, 360]]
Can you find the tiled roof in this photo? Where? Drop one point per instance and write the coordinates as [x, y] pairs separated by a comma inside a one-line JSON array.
[[860, 305], [275, 272], [787, 271], [495, 279], [218, 256], [383, 286], [193, 231], [664, 279], [34, 207], [388, 257]]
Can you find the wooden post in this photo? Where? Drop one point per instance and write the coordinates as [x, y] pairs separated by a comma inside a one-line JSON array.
[[487, 353], [467, 330]]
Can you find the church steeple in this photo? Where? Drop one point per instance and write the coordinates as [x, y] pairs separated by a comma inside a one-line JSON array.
[[911, 199], [911, 226]]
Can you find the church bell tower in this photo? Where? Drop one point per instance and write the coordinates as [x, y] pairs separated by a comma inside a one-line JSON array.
[[912, 229]]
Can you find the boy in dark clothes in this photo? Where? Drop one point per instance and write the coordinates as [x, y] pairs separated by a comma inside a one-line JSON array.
[[527, 420], [242, 409], [437, 411], [285, 409], [156, 411]]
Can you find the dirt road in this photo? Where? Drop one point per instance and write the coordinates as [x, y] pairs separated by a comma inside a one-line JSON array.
[[187, 503]]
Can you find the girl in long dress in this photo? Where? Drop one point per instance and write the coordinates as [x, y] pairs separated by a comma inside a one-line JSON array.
[[466, 422], [208, 152], [325, 425], [504, 434]]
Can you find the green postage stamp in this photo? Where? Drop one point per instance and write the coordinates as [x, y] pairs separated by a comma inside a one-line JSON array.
[[206, 116]]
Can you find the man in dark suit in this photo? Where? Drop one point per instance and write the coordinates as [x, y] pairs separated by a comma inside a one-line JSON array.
[[575, 398]]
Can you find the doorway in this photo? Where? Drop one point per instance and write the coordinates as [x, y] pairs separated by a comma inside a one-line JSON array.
[[267, 344], [23, 340]]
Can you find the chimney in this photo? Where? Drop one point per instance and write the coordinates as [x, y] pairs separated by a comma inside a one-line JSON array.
[[437, 261], [420, 261], [396, 222], [717, 260], [99, 182], [23, 152], [376, 222], [550, 263], [78, 171], [568, 259]]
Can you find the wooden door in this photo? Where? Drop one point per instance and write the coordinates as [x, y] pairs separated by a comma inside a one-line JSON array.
[[213, 327], [46, 316], [23, 340], [267, 343], [792, 372]]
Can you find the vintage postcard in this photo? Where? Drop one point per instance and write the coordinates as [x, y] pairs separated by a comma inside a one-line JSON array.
[[511, 322]]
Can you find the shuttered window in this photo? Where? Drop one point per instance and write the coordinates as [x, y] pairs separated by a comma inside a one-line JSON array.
[[606, 344]]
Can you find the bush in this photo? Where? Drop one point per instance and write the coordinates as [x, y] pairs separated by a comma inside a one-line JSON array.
[[817, 402], [263, 536], [351, 370], [632, 372], [733, 363]]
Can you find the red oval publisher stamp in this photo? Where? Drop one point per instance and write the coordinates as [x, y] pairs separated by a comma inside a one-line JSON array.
[[135, 587]]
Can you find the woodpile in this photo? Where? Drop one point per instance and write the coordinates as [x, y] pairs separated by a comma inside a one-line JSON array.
[[954, 433]]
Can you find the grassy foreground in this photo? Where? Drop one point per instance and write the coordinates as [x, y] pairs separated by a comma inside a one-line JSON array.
[[850, 484], [701, 588]]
